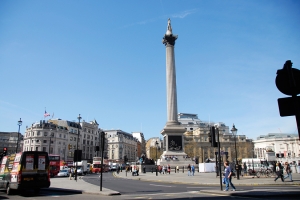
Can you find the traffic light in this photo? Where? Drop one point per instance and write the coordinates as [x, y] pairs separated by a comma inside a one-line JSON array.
[[4, 151], [213, 137]]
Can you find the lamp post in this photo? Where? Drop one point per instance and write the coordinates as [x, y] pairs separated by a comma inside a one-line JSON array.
[[234, 132], [19, 124], [156, 144], [77, 147]]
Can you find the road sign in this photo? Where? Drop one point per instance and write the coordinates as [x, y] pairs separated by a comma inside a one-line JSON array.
[[287, 106]]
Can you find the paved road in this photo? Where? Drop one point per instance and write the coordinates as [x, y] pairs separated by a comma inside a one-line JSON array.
[[173, 186]]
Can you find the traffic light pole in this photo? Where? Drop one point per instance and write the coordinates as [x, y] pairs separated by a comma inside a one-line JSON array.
[[219, 159], [102, 154]]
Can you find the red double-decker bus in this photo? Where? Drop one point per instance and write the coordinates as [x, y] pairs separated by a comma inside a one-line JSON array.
[[54, 164], [96, 168]]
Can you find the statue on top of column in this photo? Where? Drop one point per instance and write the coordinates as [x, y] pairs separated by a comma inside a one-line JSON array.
[[169, 29]]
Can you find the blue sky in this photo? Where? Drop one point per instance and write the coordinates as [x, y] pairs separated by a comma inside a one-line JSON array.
[[105, 60]]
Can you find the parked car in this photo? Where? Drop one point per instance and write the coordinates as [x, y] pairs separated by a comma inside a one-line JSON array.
[[63, 172]]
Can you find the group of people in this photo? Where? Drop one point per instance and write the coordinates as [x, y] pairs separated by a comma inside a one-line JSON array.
[[164, 169], [191, 170], [280, 171]]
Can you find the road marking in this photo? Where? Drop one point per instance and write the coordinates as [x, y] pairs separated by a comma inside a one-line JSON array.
[[162, 185]]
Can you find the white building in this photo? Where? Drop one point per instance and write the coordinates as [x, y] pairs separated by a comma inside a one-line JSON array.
[[285, 146], [121, 145], [61, 137]]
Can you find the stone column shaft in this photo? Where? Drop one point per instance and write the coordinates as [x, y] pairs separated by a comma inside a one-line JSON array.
[[171, 86]]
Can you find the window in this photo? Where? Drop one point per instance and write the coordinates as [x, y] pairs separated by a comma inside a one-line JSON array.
[[44, 141], [38, 133], [64, 135], [88, 142], [36, 148], [60, 135]]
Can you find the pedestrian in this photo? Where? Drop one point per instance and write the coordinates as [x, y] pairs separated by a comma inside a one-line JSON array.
[[288, 171], [71, 173], [137, 170], [193, 170], [189, 170], [163, 169], [227, 177], [279, 172], [177, 168]]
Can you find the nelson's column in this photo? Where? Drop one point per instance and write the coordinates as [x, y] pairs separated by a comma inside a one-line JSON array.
[[172, 132]]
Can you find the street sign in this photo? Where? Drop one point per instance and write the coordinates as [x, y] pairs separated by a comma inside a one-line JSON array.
[[286, 106]]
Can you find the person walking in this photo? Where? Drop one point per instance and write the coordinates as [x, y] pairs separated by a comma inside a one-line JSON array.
[[71, 173], [288, 171], [193, 170], [189, 170], [169, 169], [279, 172], [177, 169], [227, 176]]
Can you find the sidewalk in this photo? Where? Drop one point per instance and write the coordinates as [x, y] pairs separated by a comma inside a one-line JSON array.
[[207, 179]]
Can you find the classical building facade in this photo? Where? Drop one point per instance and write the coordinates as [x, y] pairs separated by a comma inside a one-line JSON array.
[[121, 145], [61, 137], [286, 146], [198, 146]]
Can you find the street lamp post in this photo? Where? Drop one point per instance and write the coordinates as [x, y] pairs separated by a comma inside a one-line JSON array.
[[234, 132], [156, 144], [19, 124], [77, 147]]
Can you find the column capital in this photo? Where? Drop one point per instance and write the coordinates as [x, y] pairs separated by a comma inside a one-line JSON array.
[[169, 39]]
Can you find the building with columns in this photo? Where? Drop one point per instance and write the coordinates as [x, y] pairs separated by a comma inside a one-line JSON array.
[[286, 146]]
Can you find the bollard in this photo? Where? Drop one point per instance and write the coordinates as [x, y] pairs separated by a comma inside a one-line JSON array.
[[144, 169], [152, 170], [126, 172], [175, 170], [183, 169]]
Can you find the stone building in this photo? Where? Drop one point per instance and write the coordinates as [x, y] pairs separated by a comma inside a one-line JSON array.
[[10, 141], [61, 137], [198, 146], [121, 145], [286, 147], [141, 150]]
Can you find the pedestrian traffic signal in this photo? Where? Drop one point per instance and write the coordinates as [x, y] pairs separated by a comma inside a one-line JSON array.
[[4, 151]]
